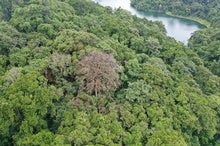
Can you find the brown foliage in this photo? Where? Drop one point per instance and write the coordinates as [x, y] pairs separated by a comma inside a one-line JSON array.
[[98, 73]]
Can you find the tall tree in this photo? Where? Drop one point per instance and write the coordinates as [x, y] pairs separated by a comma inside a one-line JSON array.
[[98, 73]]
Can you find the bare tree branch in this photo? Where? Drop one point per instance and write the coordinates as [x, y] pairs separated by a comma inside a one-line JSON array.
[[98, 73]]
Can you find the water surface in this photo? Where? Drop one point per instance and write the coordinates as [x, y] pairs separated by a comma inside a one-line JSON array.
[[178, 28]]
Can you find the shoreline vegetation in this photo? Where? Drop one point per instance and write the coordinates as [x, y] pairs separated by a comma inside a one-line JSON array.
[[195, 19], [204, 12], [202, 22]]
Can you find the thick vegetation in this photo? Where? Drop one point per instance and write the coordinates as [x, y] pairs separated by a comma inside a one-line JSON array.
[[75, 73], [206, 44]]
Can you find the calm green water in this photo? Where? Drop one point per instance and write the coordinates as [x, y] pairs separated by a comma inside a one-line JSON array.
[[180, 29]]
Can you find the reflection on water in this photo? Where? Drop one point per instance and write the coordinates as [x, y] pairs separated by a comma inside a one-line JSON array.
[[180, 29]]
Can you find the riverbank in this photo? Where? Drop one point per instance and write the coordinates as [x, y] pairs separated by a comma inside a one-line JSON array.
[[178, 28], [195, 19]]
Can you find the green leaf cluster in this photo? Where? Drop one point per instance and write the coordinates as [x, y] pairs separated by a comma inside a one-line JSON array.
[[169, 93]]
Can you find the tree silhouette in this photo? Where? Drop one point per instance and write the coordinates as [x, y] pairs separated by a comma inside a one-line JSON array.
[[98, 73]]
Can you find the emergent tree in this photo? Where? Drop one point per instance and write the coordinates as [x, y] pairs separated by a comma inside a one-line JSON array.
[[98, 73]]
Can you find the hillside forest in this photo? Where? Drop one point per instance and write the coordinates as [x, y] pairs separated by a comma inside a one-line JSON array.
[[74, 73]]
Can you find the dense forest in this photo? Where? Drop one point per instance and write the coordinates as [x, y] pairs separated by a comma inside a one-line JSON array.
[[206, 9], [75, 73]]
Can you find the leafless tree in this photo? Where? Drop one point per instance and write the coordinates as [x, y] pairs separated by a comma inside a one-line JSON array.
[[98, 73]]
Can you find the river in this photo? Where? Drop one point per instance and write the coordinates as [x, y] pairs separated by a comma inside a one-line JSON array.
[[178, 28]]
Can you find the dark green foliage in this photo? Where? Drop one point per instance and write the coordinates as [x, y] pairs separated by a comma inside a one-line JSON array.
[[206, 44], [6, 8], [168, 93]]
